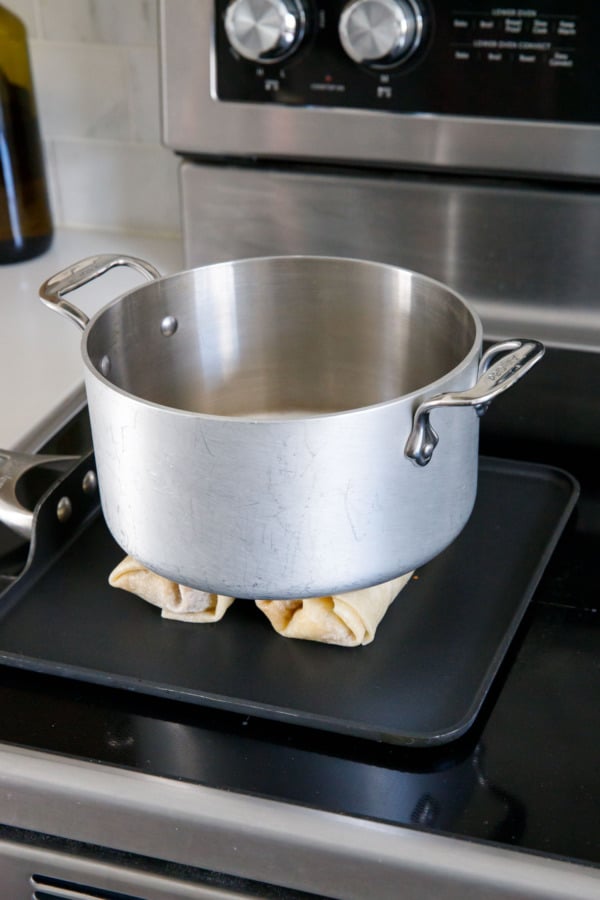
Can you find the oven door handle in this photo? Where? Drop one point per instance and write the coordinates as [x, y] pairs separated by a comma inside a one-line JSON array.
[[53, 290], [500, 368]]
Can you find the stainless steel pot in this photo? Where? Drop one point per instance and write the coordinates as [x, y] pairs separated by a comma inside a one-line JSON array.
[[261, 427]]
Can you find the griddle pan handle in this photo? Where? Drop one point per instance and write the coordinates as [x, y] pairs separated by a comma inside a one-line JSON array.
[[501, 366], [53, 290], [12, 467]]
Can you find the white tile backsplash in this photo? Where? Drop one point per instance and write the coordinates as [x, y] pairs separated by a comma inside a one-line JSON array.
[[82, 91], [144, 89], [126, 186], [129, 22], [96, 76], [52, 181]]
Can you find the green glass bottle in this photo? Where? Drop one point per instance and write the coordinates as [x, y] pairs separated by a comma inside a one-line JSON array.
[[25, 218]]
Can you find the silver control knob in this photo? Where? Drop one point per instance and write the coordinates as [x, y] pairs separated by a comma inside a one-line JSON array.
[[265, 31], [380, 33]]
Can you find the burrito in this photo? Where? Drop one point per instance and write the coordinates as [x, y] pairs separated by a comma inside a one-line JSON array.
[[176, 601], [348, 620]]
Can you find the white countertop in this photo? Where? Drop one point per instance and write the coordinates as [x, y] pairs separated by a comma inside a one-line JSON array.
[[41, 370]]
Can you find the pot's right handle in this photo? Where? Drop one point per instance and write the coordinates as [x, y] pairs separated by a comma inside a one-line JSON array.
[[53, 290], [501, 367]]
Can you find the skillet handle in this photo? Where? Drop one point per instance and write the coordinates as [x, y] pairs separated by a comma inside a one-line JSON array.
[[13, 466], [495, 377], [53, 290]]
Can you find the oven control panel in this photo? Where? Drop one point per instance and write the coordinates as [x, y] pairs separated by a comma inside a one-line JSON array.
[[467, 58]]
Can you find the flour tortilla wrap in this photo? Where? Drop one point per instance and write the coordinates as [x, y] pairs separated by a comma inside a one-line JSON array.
[[174, 600], [347, 620]]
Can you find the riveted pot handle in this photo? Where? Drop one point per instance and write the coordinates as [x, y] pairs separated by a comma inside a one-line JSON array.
[[53, 290], [13, 466], [496, 375]]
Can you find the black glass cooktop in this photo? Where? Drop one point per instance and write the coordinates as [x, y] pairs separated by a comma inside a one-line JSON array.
[[525, 774]]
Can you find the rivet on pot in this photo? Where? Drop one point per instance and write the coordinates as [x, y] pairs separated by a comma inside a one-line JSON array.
[[105, 366], [89, 483], [168, 326], [64, 509]]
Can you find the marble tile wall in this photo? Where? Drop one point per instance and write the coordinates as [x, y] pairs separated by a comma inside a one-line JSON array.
[[95, 69]]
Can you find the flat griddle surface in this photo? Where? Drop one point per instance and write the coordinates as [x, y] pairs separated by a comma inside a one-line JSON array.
[[422, 681]]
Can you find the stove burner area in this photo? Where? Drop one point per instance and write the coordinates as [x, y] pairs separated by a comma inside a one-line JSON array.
[[483, 715], [421, 682]]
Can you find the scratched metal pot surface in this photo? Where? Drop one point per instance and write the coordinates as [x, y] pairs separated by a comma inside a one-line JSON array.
[[206, 478]]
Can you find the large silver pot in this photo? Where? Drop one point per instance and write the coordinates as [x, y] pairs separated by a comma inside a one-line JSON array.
[[204, 476]]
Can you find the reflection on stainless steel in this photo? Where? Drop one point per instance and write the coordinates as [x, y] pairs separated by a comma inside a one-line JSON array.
[[496, 376], [200, 490], [380, 33], [194, 121], [54, 289], [526, 257], [265, 30]]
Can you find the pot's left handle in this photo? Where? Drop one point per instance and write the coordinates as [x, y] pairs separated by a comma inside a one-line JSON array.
[[496, 375], [53, 291]]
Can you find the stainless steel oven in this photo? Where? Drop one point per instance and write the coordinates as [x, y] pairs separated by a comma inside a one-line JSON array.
[[473, 155], [461, 141]]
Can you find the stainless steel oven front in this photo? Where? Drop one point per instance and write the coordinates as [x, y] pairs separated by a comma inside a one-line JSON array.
[[481, 87], [458, 140]]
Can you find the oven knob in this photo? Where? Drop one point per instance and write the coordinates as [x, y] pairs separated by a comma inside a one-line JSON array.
[[381, 33], [265, 31]]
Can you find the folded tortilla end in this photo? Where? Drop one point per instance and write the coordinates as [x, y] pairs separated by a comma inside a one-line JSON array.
[[347, 620], [175, 601]]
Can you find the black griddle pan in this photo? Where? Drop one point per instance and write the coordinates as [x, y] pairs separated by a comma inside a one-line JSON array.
[[421, 682]]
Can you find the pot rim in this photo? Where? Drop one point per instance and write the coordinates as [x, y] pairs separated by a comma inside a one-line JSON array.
[[430, 389]]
